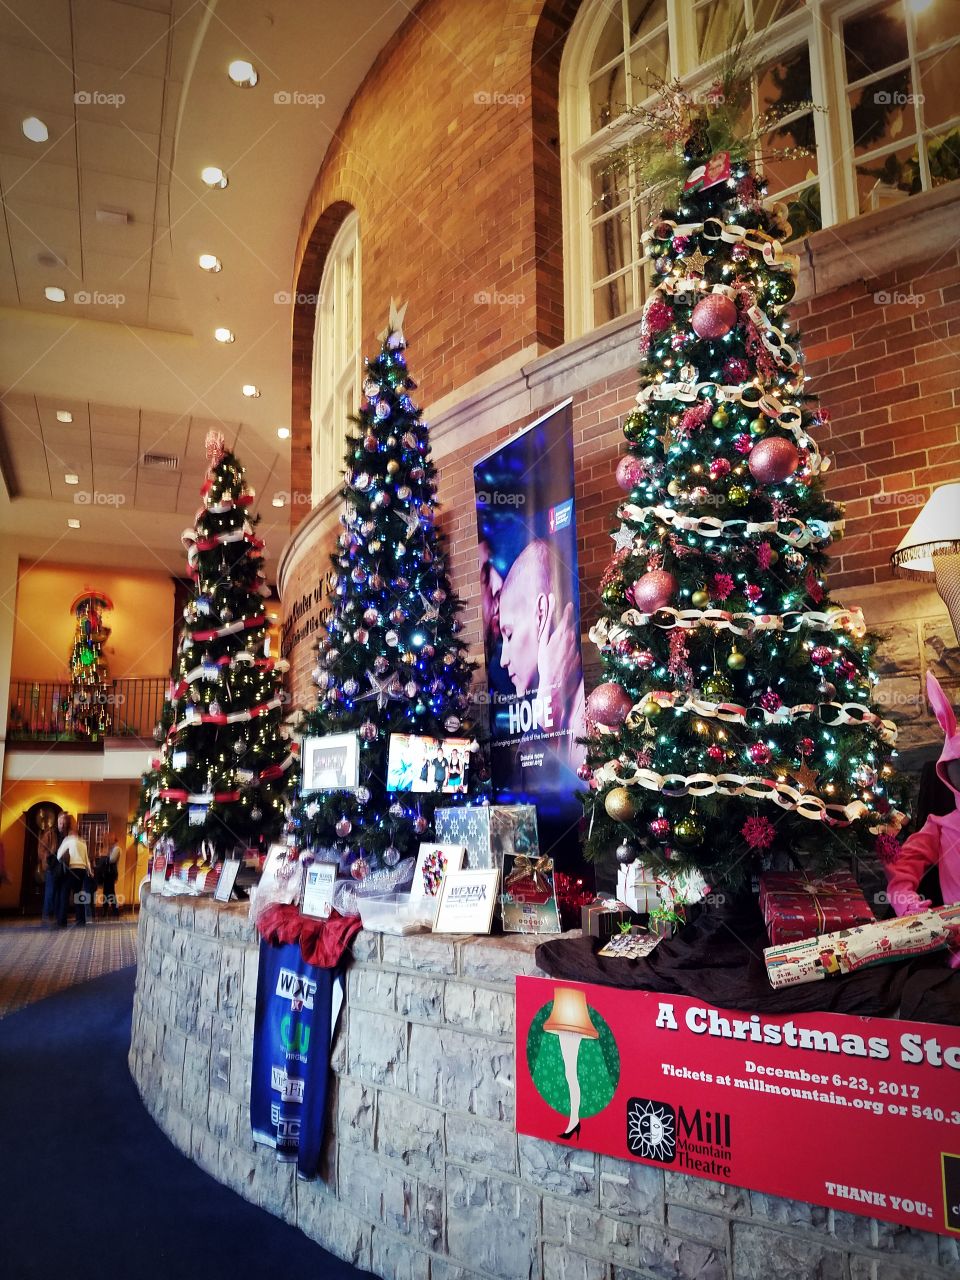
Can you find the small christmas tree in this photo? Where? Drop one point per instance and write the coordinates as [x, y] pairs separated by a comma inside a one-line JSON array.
[[735, 714], [391, 660], [222, 778], [88, 715]]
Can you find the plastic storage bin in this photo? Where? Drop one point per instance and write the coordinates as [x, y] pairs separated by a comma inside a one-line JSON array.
[[396, 912]]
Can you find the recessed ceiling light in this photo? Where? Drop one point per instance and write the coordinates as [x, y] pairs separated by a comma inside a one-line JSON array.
[[210, 262], [250, 391], [213, 176], [283, 433], [73, 524], [71, 478], [35, 129], [243, 73], [64, 415], [278, 501], [53, 293], [224, 335]]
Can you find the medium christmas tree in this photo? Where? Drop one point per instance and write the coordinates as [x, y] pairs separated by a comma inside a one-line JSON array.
[[89, 711], [222, 778], [735, 715], [391, 660]]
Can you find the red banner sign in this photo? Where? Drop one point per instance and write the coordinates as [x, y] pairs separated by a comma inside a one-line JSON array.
[[859, 1114]]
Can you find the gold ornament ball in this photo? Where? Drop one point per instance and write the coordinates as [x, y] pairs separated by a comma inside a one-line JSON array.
[[758, 426], [700, 599], [619, 804], [612, 596], [720, 418], [674, 489], [716, 687], [738, 495], [651, 709], [688, 832], [393, 466], [736, 661]]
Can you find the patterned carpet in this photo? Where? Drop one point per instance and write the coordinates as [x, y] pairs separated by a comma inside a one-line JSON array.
[[37, 960]]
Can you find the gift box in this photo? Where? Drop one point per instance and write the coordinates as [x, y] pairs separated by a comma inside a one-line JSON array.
[[797, 906], [847, 950], [638, 889], [489, 832], [603, 917]]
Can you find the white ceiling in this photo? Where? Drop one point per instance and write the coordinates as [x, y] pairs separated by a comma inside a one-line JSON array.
[[137, 100]]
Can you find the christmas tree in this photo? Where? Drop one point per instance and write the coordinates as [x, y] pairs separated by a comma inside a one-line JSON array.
[[391, 660], [88, 715], [735, 717], [224, 771]]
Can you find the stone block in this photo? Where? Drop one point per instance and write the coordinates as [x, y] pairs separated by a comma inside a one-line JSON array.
[[231, 982], [251, 975], [759, 1254], [441, 1269], [377, 1191], [377, 1049], [178, 1129], [409, 1133], [900, 699], [238, 1169], [168, 969], [205, 1150], [564, 1264], [209, 991], [499, 960], [371, 989], [365, 948], [898, 653], [356, 1112], [470, 1140], [479, 1009], [565, 1171], [420, 998], [940, 651], [321, 1218], [708, 1227], [202, 951], [174, 1047], [241, 1070], [453, 1070], [391, 1257], [420, 953], [223, 1115], [631, 1190], [430, 1214], [492, 1224], [275, 1186], [235, 923], [206, 919], [186, 913], [601, 1235], [701, 1193], [667, 1255]]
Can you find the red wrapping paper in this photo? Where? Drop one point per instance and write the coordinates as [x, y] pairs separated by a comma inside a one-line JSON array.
[[796, 906]]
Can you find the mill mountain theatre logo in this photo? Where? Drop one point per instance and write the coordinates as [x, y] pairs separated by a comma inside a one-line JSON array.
[[694, 1139]]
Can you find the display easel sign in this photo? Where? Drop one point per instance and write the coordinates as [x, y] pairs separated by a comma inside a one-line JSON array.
[[465, 904], [158, 872], [318, 886], [228, 878]]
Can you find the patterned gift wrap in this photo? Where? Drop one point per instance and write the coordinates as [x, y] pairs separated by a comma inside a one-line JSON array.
[[603, 918], [796, 906], [488, 832]]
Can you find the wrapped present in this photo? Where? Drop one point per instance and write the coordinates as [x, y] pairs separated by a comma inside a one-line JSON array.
[[797, 906], [488, 832], [847, 950], [528, 879], [638, 888], [603, 917]]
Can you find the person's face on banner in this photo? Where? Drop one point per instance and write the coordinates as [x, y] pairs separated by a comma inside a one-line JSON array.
[[491, 584], [521, 625]]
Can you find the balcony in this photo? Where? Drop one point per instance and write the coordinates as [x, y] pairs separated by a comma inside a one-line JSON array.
[[40, 712]]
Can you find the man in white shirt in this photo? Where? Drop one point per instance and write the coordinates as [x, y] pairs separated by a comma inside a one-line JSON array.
[[76, 864]]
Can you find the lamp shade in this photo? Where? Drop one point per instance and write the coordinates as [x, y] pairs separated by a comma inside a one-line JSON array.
[[936, 531], [570, 1013]]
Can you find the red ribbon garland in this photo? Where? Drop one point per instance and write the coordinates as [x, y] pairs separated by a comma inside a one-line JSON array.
[[219, 797], [216, 633]]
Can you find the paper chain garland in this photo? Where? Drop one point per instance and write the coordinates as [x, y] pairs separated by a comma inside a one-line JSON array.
[[735, 713], [607, 632], [731, 233], [790, 530]]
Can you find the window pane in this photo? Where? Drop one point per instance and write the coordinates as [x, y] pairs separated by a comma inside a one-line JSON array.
[[939, 21], [785, 82], [944, 156], [874, 40], [611, 245], [608, 189], [888, 180], [803, 209], [939, 80], [649, 59], [789, 171], [610, 44], [608, 96], [615, 298], [882, 111], [644, 16], [720, 23], [767, 11]]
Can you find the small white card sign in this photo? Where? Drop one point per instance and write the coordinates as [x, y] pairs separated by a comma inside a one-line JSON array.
[[318, 886], [228, 878], [434, 861], [466, 901], [158, 873]]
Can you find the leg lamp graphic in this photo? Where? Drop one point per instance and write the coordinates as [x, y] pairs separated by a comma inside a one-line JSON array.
[[570, 1022]]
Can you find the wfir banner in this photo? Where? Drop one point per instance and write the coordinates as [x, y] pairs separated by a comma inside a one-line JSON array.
[[526, 526], [858, 1114]]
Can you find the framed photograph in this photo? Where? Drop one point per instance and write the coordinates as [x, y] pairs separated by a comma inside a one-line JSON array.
[[330, 763], [465, 902], [318, 885], [433, 862], [228, 878], [529, 901], [428, 765], [282, 875]]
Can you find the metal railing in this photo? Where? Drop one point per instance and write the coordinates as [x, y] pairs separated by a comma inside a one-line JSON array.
[[42, 710]]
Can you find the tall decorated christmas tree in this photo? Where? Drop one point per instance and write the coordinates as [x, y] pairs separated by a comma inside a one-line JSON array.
[[225, 767], [735, 716], [391, 660], [88, 714]]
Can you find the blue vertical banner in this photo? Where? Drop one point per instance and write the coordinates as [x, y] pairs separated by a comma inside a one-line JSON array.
[[291, 1055], [530, 601]]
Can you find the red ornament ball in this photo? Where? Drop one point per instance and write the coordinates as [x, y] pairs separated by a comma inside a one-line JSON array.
[[630, 472], [821, 655], [660, 828], [360, 869], [714, 316], [760, 753], [653, 590], [773, 460], [716, 753], [609, 704], [658, 315]]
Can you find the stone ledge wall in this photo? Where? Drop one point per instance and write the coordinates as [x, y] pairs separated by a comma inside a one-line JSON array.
[[425, 1178]]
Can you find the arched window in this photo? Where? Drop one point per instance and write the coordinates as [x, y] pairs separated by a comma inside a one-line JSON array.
[[879, 141], [335, 386]]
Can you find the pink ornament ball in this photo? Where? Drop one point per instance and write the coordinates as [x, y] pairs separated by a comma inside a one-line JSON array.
[[658, 315], [654, 590], [714, 316], [773, 460], [609, 704], [630, 472]]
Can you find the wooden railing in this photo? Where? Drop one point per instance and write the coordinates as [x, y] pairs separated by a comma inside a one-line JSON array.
[[40, 710]]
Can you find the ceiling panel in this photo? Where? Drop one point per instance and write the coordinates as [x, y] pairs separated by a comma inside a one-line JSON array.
[[110, 148], [125, 36], [115, 96], [36, 77], [41, 26], [37, 181], [47, 410]]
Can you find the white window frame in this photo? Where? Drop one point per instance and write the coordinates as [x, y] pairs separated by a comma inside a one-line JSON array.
[[335, 375], [818, 24]]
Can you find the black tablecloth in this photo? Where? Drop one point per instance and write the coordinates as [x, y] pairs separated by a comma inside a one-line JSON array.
[[718, 957]]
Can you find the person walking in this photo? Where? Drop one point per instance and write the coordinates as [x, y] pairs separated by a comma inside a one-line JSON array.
[[54, 874], [108, 872], [76, 862]]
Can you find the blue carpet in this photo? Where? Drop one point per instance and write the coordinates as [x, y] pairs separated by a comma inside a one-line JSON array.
[[90, 1188]]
